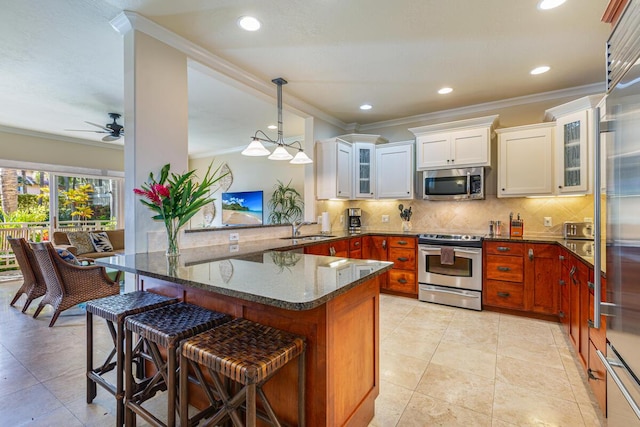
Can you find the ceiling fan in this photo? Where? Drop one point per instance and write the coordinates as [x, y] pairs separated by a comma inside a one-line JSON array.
[[113, 129]]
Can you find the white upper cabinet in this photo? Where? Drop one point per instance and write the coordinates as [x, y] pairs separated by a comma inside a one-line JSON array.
[[462, 143], [394, 170], [525, 160], [364, 155], [357, 167], [334, 169], [575, 136]]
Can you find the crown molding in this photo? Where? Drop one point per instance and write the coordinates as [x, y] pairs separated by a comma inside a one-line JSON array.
[[126, 21], [451, 114], [44, 135]]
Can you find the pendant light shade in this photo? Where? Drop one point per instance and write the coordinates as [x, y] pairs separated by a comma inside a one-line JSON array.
[[301, 159], [280, 153], [255, 148]]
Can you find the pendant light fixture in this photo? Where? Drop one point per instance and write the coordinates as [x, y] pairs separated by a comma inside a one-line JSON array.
[[255, 148]]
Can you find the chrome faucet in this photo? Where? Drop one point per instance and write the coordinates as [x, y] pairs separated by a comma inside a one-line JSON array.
[[295, 228]]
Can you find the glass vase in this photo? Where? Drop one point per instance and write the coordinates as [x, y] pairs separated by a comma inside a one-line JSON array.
[[406, 225], [173, 241]]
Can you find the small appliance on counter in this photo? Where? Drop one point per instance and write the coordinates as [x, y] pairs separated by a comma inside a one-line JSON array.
[[353, 221]]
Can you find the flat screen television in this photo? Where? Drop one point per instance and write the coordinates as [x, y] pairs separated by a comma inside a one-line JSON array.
[[242, 208]]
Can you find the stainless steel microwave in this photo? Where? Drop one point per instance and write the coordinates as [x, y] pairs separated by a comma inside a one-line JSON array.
[[452, 184]]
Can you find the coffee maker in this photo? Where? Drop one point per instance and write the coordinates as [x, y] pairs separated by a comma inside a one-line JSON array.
[[353, 215]]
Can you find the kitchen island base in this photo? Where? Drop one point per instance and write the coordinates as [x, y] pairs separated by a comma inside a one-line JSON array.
[[342, 359]]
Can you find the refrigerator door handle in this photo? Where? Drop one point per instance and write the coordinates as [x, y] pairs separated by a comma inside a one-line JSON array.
[[597, 222], [608, 364]]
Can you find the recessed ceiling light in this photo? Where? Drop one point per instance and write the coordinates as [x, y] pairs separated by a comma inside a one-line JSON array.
[[272, 127], [549, 4], [540, 70], [249, 23], [366, 107], [445, 90]]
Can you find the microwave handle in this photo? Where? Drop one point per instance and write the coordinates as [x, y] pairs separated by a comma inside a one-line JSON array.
[[468, 184]]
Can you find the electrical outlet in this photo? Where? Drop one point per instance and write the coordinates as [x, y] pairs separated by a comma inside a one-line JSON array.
[[234, 237], [588, 219], [234, 248], [547, 221], [385, 218]]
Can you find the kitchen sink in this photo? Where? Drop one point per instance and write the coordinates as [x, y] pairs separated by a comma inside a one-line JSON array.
[[309, 237]]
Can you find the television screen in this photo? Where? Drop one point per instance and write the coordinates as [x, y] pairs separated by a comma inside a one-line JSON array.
[[242, 208]]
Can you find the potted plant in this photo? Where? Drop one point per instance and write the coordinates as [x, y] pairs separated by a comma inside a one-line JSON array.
[[286, 204]]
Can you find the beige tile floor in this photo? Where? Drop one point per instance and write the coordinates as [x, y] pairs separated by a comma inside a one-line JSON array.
[[439, 366]]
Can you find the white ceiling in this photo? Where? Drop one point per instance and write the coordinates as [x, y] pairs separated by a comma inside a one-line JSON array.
[[62, 62]]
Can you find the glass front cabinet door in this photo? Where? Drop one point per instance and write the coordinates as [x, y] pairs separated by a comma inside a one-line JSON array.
[[571, 143], [364, 155]]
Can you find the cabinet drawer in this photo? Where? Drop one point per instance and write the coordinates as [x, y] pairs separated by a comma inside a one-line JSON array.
[[506, 268], [504, 248], [402, 281], [402, 242], [355, 243], [503, 294], [404, 259]]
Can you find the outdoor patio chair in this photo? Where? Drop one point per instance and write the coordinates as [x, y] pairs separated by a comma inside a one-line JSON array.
[[33, 285], [69, 284]]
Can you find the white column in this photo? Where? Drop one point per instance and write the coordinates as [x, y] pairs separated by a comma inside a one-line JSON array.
[[156, 113]]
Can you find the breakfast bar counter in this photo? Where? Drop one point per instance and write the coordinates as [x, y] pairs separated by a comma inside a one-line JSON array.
[[332, 302]]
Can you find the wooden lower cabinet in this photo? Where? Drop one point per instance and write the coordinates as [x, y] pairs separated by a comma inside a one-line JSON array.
[[542, 271], [401, 250], [564, 312], [339, 248], [503, 275]]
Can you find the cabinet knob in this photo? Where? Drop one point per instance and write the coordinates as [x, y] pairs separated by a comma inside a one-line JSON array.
[[384, 244], [531, 254], [559, 186], [356, 243], [503, 189]]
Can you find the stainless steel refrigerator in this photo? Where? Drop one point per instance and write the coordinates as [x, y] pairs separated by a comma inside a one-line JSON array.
[[622, 154]]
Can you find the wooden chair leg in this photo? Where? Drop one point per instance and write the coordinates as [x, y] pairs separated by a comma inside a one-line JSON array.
[[26, 304], [15, 299], [38, 310], [54, 318]]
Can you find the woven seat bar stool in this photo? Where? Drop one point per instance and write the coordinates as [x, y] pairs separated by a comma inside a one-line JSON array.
[[249, 354], [114, 310], [166, 327]]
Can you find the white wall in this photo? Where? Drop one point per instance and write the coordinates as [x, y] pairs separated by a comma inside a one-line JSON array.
[[50, 151], [249, 174]]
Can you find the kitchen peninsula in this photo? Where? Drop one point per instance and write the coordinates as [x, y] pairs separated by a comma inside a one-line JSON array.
[[333, 302]]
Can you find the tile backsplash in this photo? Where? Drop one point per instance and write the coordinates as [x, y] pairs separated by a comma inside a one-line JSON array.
[[470, 217]]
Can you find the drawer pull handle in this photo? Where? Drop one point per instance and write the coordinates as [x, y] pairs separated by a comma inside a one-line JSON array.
[[403, 259], [384, 244], [402, 242], [500, 268], [591, 376], [403, 281], [356, 243], [504, 294], [504, 248]]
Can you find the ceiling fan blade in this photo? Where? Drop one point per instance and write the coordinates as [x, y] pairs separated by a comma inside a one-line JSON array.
[[86, 130], [110, 138], [100, 126]]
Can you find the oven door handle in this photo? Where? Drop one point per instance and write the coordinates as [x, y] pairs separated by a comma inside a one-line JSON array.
[[468, 251], [452, 292], [430, 251]]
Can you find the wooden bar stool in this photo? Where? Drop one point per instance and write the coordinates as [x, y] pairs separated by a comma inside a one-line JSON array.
[[247, 353], [114, 310], [165, 327]]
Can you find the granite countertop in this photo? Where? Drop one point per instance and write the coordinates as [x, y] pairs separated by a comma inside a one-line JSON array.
[[284, 279]]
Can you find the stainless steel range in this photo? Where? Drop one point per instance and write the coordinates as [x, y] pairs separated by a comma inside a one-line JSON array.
[[450, 270]]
